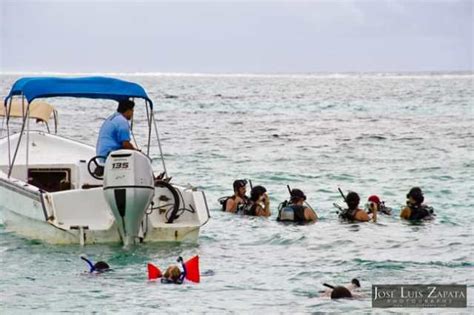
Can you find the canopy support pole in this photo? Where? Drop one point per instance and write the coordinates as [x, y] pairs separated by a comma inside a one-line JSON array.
[[8, 111], [27, 134], [3, 122], [55, 113], [131, 129], [159, 143], [19, 142], [148, 118]]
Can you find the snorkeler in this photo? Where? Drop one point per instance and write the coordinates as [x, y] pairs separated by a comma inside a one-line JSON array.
[[415, 209], [374, 202], [295, 210], [340, 292], [259, 203], [98, 267], [173, 274], [353, 212], [235, 202]]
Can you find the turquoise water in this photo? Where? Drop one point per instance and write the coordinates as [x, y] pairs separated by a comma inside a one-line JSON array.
[[371, 133]]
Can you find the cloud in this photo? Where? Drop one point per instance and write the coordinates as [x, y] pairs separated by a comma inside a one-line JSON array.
[[236, 36]]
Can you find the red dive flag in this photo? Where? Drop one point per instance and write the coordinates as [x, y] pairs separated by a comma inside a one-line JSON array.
[[153, 272], [192, 269]]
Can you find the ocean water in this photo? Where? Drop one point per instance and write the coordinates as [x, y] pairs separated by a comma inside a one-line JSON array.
[[370, 133]]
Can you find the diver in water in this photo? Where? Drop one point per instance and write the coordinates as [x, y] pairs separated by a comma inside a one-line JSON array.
[[235, 202], [259, 203], [374, 202], [98, 267], [354, 213], [340, 292], [174, 275], [294, 210], [415, 209]]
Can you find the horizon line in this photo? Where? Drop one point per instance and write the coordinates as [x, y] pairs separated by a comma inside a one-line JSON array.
[[247, 74]]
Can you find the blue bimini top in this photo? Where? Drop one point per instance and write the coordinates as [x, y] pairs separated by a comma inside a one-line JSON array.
[[86, 87]]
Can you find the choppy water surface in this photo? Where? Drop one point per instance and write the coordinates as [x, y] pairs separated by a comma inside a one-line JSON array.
[[374, 134]]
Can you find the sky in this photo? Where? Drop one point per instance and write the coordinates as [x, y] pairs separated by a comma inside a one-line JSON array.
[[236, 36]]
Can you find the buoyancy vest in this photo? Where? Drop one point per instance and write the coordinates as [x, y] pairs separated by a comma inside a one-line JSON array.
[[249, 208], [223, 202], [348, 214], [291, 212], [419, 212]]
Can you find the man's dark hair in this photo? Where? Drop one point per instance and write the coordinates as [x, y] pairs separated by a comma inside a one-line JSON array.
[[256, 192], [352, 200], [340, 292], [125, 105], [239, 183], [416, 194], [297, 195], [101, 266]]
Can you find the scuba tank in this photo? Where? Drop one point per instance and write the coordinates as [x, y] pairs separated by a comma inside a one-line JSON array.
[[285, 212]]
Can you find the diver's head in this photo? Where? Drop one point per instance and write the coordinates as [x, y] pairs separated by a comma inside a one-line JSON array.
[[297, 195], [352, 200], [173, 273], [340, 292], [101, 266], [415, 196], [374, 199], [125, 107], [374, 202], [356, 283], [257, 192], [240, 187]]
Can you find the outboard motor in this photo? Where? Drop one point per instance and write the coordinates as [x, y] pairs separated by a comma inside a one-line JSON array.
[[129, 190]]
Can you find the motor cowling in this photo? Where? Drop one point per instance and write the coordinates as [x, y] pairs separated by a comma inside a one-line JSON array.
[[128, 189]]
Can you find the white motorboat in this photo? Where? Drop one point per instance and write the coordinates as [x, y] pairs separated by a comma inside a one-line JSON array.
[[50, 190]]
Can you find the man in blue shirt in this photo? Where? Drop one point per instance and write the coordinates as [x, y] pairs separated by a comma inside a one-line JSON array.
[[115, 131]]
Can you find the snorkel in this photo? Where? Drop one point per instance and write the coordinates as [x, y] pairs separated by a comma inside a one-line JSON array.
[[342, 194], [341, 211], [91, 265], [100, 266], [293, 195], [328, 285], [183, 273]]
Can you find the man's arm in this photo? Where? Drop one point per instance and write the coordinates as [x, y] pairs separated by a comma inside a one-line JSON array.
[[231, 205], [264, 212], [128, 145], [362, 216], [123, 135], [405, 213], [310, 214], [374, 209]]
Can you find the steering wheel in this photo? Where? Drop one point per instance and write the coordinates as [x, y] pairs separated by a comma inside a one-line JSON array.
[[98, 171]]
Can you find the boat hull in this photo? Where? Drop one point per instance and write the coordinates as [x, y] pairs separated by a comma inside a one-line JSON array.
[[79, 213], [45, 232]]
